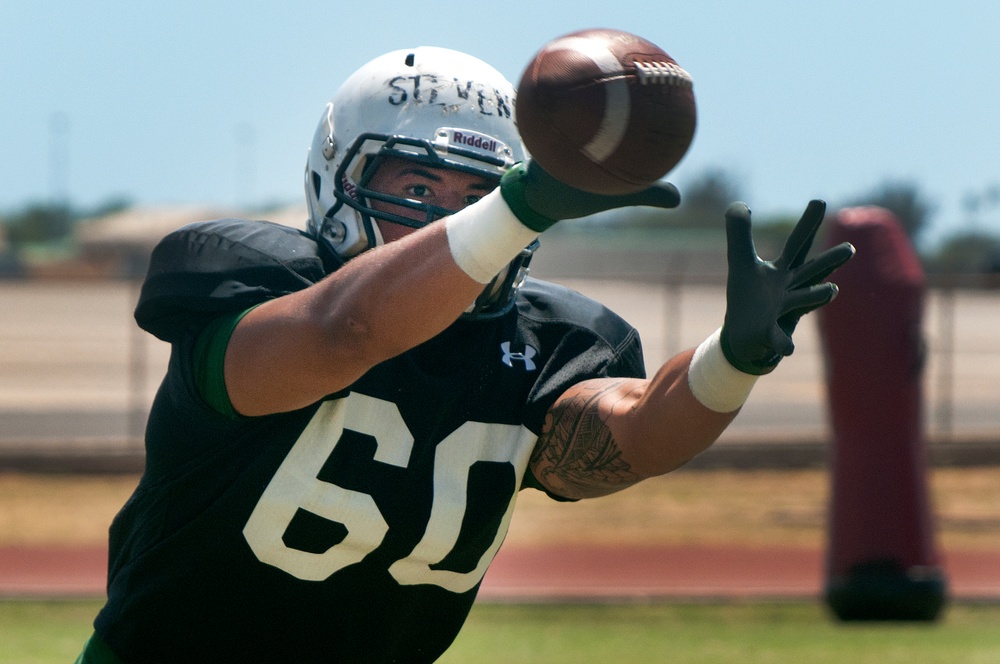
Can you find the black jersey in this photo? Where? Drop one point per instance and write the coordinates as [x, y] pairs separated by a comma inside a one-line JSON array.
[[358, 528]]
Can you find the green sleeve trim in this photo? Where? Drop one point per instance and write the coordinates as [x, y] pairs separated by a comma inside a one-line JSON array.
[[97, 652], [209, 362]]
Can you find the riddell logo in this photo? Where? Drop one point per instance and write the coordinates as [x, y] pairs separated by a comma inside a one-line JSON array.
[[349, 188], [478, 141]]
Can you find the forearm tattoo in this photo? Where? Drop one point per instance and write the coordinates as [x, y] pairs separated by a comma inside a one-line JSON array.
[[576, 451]]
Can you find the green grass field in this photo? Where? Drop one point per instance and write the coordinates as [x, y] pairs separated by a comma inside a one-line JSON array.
[[686, 507], [33, 632]]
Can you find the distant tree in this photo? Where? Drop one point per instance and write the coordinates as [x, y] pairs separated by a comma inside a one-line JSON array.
[[39, 223], [981, 207], [703, 205], [903, 199], [967, 253], [705, 198], [106, 207]]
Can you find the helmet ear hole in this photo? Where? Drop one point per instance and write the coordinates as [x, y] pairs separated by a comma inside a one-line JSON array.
[[317, 182]]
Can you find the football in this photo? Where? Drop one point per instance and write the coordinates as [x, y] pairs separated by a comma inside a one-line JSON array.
[[605, 111]]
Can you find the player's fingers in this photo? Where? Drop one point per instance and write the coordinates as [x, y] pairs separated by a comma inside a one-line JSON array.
[[820, 267], [665, 196], [739, 238], [781, 342], [801, 239], [803, 300], [661, 195]]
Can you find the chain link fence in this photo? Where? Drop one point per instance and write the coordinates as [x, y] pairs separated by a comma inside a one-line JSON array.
[[77, 375]]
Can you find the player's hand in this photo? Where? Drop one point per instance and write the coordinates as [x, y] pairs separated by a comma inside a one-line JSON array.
[[764, 299], [539, 200]]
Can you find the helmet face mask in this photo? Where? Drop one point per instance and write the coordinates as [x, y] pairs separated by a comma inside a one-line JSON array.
[[436, 107], [400, 147]]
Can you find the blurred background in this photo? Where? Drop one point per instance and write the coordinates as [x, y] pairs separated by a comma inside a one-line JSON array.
[[120, 122], [115, 104]]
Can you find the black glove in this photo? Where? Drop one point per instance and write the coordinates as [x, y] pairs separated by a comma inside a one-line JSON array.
[[764, 299], [539, 200]]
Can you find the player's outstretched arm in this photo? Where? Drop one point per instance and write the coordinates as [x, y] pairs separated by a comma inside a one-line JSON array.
[[294, 350], [604, 435]]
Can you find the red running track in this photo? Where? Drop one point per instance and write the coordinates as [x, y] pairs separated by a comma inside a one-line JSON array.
[[590, 572]]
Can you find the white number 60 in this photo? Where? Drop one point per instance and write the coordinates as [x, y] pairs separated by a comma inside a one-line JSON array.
[[295, 485]]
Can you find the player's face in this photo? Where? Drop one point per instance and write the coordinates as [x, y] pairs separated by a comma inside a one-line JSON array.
[[452, 190]]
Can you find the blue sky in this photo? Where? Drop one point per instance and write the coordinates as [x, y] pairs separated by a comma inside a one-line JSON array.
[[216, 102]]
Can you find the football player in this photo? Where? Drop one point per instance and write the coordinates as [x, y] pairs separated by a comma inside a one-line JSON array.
[[349, 413]]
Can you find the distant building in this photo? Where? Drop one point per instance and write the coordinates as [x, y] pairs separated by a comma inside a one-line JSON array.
[[119, 244]]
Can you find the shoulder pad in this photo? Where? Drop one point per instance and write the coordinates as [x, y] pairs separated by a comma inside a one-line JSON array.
[[213, 267], [557, 304]]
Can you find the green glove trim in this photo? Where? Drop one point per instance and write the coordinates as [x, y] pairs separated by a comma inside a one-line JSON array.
[[512, 188]]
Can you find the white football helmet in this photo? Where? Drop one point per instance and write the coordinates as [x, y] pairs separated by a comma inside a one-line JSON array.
[[440, 107]]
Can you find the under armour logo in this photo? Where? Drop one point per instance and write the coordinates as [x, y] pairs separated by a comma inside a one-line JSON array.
[[509, 357]]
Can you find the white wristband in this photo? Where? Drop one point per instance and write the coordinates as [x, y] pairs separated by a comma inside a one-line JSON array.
[[715, 383], [485, 237]]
